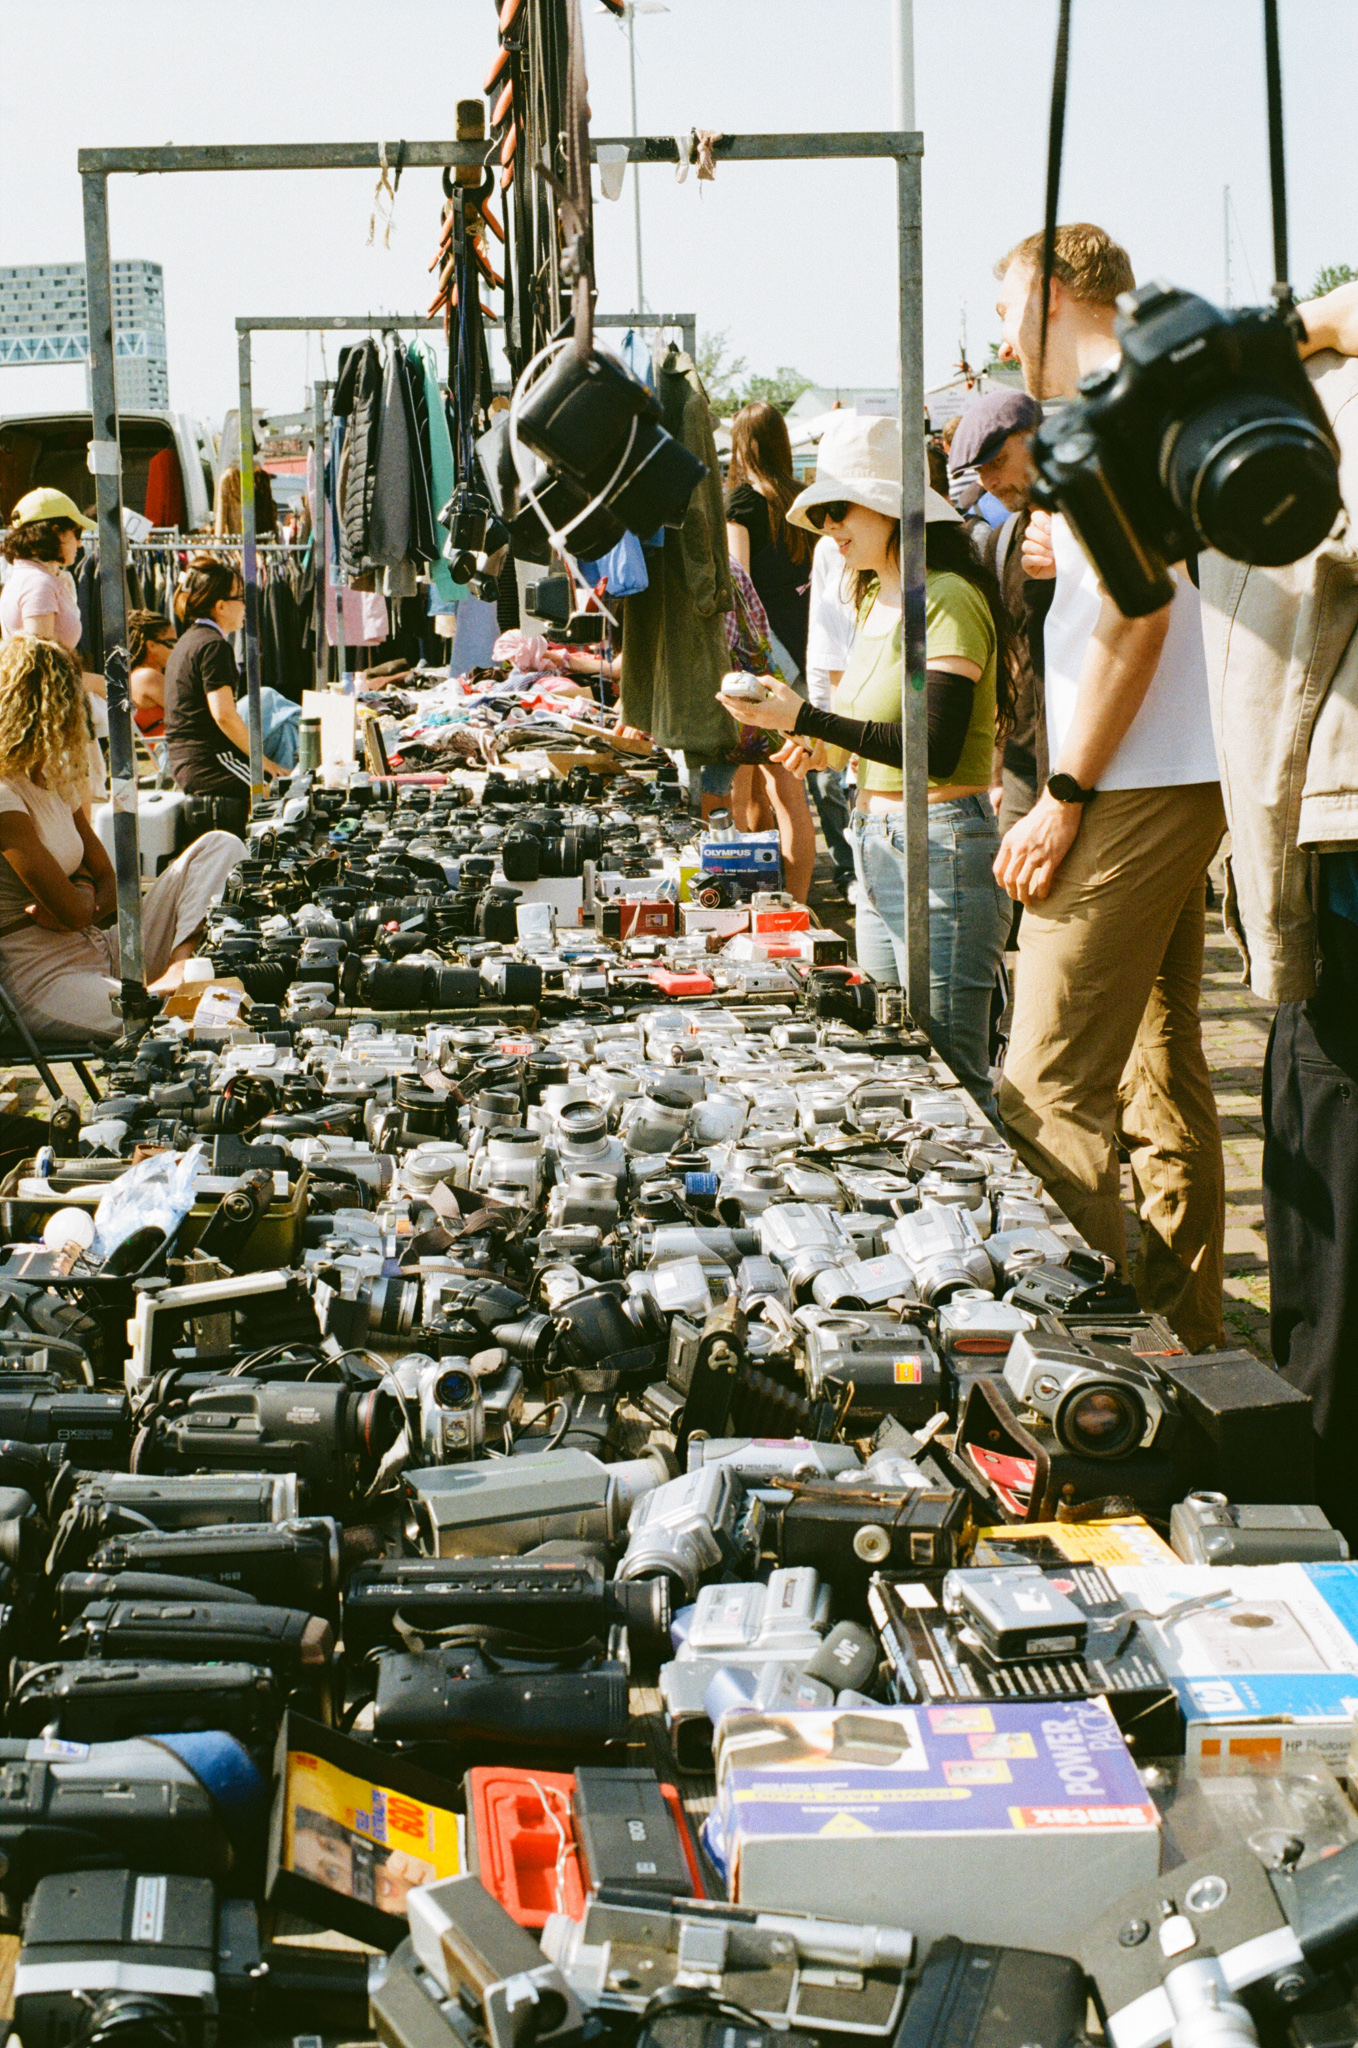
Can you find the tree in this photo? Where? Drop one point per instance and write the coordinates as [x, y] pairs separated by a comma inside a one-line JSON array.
[[1331, 277], [782, 389], [720, 371]]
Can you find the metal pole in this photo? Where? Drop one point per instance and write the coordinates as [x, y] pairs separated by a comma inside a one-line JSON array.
[[689, 330], [902, 63], [636, 175], [105, 462], [250, 568], [1226, 238], [319, 547], [914, 719]]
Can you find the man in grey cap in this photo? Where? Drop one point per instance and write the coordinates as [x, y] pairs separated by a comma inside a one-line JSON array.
[[992, 440]]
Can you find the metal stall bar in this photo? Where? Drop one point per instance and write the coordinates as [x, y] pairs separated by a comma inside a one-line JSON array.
[[904, 149], [320, 549], [105, 461], [914, 698], [250, 568], [687, 324]]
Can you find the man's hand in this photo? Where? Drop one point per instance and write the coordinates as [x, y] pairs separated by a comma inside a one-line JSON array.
[[629, 732], [1033, 849], [43, 917], [1036, 554]]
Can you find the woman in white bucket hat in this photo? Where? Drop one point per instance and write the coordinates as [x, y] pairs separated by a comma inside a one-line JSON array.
[[856, 500]]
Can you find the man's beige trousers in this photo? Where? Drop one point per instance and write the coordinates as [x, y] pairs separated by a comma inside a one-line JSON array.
[[1106, 1046]]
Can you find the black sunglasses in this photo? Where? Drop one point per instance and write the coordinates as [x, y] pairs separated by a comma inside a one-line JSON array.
[[837, 509]]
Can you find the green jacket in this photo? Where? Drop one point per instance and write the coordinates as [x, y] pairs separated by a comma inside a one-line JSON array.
[[674, 652]]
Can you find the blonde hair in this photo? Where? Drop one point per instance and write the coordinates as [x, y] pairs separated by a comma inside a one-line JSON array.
[[45, 722], [1090, 264]]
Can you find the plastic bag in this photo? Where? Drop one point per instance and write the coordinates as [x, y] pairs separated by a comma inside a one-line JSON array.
[[155, 1193]]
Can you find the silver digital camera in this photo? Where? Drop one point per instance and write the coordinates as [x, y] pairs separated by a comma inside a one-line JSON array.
[[1206, 1528]]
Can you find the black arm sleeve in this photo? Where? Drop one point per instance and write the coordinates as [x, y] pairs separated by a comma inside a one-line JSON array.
[[949, 714]]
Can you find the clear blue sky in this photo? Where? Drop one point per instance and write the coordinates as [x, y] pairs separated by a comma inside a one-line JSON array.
[[796, 262]]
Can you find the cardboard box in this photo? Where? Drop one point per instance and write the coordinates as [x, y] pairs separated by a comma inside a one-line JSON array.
[[1004, 1823], [353, 1829], [1268, 1669], [724, 923], [778, 919], [1125, 1539]]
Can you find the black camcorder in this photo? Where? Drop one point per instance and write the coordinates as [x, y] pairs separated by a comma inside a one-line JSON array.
[[1205, 434]]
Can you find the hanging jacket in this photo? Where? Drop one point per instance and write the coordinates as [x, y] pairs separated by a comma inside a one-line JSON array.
[[674, 651], [442, 475], [358, 400], [424, 536]]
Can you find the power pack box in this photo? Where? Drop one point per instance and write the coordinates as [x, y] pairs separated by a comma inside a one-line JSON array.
[[1263, 1658], [936, 1657], [1007, 1823]]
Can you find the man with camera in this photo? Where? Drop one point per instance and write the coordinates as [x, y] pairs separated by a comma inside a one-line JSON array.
[[1282, 658], [1111, 863]]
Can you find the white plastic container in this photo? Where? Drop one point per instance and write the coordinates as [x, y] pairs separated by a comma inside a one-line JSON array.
[[158, 820]]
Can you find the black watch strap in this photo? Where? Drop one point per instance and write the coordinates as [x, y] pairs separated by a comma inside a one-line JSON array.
[[1067, 790]]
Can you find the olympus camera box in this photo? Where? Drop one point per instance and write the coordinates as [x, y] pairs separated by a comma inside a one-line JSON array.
[[1263, 1658], [1005, 1823]]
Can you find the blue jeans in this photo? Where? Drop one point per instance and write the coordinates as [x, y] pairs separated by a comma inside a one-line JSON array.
[[969, 917], [832, 806], [280, 723]]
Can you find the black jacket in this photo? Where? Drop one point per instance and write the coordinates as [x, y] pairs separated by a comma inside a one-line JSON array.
[[358, 400]]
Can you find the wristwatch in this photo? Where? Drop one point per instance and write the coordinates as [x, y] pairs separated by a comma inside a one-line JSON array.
[[1067, 790]]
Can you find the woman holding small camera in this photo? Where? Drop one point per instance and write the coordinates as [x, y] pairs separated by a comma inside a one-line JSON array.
[[855, 499], [57, 891]]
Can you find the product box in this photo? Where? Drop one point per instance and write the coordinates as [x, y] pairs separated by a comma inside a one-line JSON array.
[[935, 1658], [1124, 1539], [353, 1830], [1263, 1658], [628, 918], [778, 920], [724, 924], [1007, 1823], [565, 893], [755, 855]]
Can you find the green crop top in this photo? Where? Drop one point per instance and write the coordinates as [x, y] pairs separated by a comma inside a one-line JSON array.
[[957, 621]]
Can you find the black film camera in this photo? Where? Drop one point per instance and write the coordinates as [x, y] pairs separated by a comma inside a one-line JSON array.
[[1206, 434]]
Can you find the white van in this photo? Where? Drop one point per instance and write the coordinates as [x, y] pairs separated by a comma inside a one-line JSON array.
[[53, 448]]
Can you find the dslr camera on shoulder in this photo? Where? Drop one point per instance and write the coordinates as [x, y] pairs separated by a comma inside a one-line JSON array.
[[1206, 434]]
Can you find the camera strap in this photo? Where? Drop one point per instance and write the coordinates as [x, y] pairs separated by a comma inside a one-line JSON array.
[[1056, 131]]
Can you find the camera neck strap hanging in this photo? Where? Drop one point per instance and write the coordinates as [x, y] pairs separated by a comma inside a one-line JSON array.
[[1277, 172]]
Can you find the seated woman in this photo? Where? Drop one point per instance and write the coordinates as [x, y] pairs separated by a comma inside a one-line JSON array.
[[150, 643], [56, 882], [208, 739]]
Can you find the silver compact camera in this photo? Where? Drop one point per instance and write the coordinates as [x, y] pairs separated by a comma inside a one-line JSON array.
[[1100, 1402], [1206, 1528], [744, 688]]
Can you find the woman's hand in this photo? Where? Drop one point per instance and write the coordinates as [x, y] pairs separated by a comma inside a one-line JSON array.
[[777, 712], [801, 758]]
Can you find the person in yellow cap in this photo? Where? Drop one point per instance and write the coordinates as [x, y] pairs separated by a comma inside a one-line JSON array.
[[39, 594], [38, 598]]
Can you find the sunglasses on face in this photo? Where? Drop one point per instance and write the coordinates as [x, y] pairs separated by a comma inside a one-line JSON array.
[[837, 510]]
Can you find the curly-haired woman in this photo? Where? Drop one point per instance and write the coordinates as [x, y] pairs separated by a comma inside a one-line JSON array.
[[56, 883]]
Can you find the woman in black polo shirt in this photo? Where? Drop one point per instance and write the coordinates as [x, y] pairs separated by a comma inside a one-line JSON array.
[[208, 740]]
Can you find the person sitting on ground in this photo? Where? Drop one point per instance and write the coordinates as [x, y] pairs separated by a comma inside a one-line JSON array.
[[150, 643], [207, 737], [57, 890]]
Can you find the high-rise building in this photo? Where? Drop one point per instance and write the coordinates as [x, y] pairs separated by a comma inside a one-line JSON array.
[[44, 318]]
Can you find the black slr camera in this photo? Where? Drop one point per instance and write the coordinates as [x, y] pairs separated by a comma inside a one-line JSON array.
[[1206, 434]]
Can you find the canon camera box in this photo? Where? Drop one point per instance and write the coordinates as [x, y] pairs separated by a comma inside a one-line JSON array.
[[1010, 1824]]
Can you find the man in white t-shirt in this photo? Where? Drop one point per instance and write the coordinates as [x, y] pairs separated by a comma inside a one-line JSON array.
[[1111, 866]]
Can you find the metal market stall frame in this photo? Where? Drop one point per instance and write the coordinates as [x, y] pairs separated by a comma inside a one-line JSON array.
[[247, 326], [905, 150]]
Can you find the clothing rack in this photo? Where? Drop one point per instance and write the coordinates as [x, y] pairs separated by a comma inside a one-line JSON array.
[[902, 149]]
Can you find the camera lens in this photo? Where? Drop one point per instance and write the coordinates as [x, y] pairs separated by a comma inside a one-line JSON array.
[[1102, 1420], [454, 1389], [375, 1421], [1257, 478]]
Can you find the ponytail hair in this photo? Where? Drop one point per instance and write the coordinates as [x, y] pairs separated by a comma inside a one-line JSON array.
[[209, 580]]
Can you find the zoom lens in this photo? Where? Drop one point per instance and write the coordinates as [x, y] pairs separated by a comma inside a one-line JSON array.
[[1100, 1420]]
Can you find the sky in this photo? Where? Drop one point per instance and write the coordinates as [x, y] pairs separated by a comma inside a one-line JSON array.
[[796, 262]]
